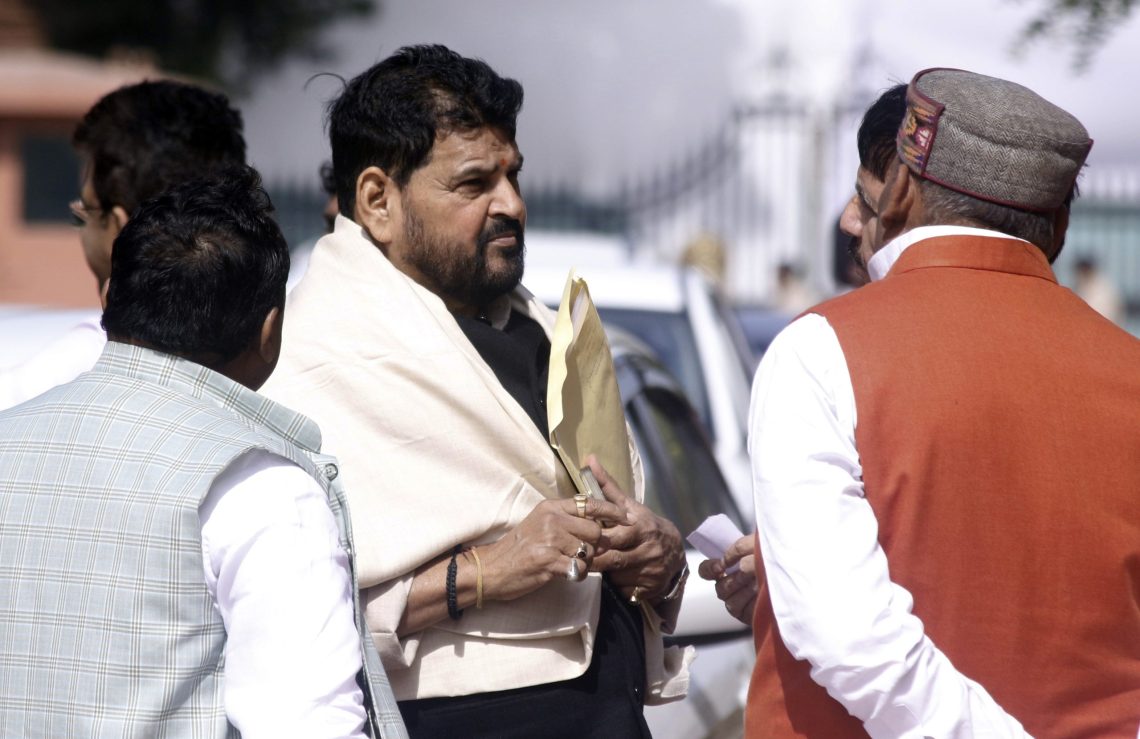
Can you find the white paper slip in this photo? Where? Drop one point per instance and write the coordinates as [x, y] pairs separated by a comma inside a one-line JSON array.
[[714, 536]]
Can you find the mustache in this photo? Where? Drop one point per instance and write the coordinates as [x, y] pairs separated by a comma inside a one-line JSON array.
[[853, 252], [502, 226]]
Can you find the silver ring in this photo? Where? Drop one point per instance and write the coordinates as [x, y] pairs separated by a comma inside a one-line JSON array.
[[573, 574], [581, 553]]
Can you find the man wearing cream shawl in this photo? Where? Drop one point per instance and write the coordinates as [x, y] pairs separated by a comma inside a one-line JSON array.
[[500, 606]]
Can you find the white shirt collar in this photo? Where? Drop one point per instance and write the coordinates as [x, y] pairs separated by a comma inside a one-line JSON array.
[[882, 260]]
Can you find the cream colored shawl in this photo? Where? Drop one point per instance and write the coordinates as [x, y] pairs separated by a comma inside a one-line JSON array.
[[434, 453]]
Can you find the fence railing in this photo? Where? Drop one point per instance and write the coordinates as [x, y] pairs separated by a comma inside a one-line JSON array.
[[770, 184]]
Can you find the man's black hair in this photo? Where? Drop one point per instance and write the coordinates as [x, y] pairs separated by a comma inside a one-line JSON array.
[[197, 269], [878, 131], [141, 139], [390, 115]]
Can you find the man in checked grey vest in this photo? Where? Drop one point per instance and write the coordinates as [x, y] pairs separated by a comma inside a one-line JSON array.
[[174, 554]]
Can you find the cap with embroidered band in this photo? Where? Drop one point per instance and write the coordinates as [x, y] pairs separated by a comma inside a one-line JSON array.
[[991, 139]]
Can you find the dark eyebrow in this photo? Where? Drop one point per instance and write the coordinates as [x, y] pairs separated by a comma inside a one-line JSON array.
[[476, 169]]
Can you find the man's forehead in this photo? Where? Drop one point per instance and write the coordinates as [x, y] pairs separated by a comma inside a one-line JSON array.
[[486, 145]]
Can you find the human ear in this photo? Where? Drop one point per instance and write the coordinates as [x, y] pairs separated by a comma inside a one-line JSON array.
[[119, 218], [897, 202], [269, 340], [377, 204]]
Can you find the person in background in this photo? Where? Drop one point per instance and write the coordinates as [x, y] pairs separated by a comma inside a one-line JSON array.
[[133, 144], [1097, 290], [170, 561], [328, 185], [793, 294], [876, 144], [301, 253], [944, 460], [705, 252], [500, 605]]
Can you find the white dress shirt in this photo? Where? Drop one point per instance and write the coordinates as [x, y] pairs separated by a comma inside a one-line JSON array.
[[60, 361], [827, 574], [280, 580]]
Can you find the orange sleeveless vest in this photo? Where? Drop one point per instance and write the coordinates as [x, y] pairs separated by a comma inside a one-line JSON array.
[[999, 434]]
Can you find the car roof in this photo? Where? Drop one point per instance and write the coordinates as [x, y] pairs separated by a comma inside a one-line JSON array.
[[641, 288], [615, 278]]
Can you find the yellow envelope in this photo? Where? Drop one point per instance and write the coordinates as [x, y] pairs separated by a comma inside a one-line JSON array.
[[584, 407]]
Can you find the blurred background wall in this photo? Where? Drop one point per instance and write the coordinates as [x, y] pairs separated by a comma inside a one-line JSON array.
[[651, 120]]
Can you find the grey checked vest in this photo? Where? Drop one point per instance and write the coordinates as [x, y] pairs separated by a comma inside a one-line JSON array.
[[106, 625]]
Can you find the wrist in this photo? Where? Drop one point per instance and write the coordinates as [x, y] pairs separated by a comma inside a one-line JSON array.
[[494, 577]]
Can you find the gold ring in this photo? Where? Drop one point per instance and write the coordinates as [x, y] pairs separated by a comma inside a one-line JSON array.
[[580, 504]]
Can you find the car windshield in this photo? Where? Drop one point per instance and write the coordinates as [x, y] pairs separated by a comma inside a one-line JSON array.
[[682, 480], [760, 326], [670, 335]]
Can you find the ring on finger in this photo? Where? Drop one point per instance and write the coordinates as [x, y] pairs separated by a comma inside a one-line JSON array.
[[580, 553], [580, 504], [573, 574]]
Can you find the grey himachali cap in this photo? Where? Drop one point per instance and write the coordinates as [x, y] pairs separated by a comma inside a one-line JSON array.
[[991, 139]]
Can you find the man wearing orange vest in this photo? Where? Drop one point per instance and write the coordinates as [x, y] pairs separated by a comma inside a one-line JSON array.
[[975, 425]]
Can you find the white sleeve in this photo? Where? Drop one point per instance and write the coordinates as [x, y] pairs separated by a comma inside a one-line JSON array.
[[831, 591], [274, 564], [60, 361]]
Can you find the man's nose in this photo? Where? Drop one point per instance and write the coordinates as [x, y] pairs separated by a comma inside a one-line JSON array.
[[508, 201], [849, 221]]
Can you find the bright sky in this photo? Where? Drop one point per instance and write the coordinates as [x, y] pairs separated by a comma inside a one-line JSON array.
[[614, 89]]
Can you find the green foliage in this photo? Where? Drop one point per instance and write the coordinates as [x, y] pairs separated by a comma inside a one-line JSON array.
[[227, 41], [1086, 24]]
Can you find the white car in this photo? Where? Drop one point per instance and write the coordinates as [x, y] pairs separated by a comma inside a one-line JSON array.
[[28, 329], [678, 313], [683, 483]]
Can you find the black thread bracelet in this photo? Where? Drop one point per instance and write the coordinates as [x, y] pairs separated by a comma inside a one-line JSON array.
[[452, 604]]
